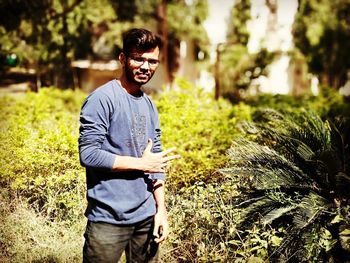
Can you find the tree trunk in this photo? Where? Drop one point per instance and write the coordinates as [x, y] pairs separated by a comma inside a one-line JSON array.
[[65, 75], [217, 72], [163, 32]]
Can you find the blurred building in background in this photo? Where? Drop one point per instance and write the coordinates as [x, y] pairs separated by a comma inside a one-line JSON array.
[[270, 27]]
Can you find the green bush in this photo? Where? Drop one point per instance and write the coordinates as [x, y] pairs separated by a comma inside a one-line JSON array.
[[204, 219], [328, 104], [39, 152], [202, 130]]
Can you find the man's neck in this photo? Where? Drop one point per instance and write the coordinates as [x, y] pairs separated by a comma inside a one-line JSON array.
[[131, 88]]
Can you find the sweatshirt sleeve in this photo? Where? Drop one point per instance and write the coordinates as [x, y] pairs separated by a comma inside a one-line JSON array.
[[157, 145], [94, 124]]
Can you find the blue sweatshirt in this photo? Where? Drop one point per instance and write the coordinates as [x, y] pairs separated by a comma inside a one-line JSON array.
[[113, 122]]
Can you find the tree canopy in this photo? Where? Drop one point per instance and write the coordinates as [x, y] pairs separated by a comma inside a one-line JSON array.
[[49, 34], [322, 32]]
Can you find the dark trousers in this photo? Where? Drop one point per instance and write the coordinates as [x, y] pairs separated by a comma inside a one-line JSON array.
[[105, 243]]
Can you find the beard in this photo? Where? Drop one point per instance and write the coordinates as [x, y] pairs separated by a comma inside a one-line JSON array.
[[138, 76]]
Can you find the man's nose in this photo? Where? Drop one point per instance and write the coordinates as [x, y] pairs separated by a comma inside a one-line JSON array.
[[145, 65]]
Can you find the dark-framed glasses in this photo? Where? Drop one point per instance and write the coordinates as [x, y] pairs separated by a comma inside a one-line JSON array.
[[139, 61]]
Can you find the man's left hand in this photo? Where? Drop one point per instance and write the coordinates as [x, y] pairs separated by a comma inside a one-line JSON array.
[[161, 226]]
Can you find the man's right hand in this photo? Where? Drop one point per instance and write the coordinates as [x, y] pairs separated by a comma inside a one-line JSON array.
[[156, 162]]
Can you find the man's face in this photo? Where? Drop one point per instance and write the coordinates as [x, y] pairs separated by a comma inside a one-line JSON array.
[[140, 66]]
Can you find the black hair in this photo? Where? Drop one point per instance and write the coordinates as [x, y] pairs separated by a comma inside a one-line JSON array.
[[141, 40]]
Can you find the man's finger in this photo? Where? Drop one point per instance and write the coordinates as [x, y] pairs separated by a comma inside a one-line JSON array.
[[172, 157], [161, 239], [149, 145], [156, 231], [166, 152]]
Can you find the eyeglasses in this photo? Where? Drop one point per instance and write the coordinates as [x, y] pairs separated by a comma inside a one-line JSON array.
[[139, 61]]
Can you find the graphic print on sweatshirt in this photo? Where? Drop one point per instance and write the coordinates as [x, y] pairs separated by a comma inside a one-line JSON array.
[[138, 132]]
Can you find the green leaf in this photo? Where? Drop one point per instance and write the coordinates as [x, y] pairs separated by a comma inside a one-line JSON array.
[[345, 232], [337, 219], [276, 241]]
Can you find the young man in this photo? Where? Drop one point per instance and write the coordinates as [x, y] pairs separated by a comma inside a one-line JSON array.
[[120, 147]]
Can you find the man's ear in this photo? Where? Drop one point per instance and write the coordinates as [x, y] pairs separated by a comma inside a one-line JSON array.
[[122, 58]]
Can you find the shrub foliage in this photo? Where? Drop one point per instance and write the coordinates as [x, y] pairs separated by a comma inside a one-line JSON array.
[[202, 130], [287, 166], [296, 178], [39, 151]]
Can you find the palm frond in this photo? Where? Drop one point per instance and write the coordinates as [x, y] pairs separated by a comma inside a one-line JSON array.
[[264, 167], [276, 214], [257, 210], [309, 209], [295, 175]]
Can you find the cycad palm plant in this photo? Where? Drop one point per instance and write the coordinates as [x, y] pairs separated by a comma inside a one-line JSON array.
[[294, 176]]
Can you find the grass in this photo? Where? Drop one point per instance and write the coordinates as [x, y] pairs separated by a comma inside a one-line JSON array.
[[26, 236]]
